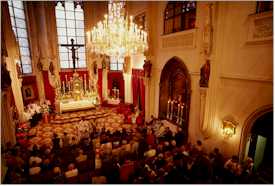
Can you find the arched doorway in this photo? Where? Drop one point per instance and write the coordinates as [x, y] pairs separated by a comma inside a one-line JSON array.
[[261, 141], [175, 82], [257, 141]]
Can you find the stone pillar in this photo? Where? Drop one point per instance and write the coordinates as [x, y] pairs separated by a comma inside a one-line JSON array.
[[128, 90], [147, 98], [203, 94], [105, 83], [7, 123], [16, 84]]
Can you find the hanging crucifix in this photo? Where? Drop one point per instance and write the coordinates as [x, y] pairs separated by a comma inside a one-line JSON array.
[[73, 48]]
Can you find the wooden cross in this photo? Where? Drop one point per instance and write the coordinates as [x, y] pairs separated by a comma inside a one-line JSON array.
[[73, 48]]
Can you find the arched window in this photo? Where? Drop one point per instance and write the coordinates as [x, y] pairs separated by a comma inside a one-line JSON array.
[[179, 16], [19, 27], [70, 25]]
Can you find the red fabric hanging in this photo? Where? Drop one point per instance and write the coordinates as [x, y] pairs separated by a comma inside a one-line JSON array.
[[138, 87], [99, 82], [49, 91], [116, 76]]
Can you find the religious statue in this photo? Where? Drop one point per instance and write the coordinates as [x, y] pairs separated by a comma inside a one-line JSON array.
[[51, 68], [147, 68], [205, 73], [19, 70], [95, 67]]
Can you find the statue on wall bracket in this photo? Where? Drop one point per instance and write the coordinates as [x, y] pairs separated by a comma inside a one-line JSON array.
[[147, 68], [205, 74]]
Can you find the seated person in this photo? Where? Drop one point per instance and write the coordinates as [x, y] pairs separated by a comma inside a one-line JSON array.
[[168, 134], [35, 158], [34, 168], [152, 121], [72, 171], [58, 177], [150, 153], [81, 157], [56, 142]]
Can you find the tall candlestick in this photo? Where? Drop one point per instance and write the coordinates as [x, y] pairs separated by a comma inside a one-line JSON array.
[[66, 80], [181, 111], [168, 104], [63, 86], [178, 115], [118, 93], [172, 108], [85, 84]]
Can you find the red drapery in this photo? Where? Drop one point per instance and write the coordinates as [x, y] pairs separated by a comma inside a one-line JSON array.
[[118, 77], [49, 91], [99, 82], [138, 87]]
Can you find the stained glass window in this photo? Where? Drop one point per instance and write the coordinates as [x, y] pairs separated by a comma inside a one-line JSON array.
[[179, 16], [116, 64], [70, 25], [19, 27], [264, 6]]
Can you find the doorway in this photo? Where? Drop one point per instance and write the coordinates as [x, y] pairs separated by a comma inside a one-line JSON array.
[[175, 82], [260, 146]]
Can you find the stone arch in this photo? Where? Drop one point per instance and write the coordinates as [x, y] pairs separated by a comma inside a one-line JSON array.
[[175, 80], [248, 124]]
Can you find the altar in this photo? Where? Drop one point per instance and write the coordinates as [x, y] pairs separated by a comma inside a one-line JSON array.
[[75, 95], [72, 105]]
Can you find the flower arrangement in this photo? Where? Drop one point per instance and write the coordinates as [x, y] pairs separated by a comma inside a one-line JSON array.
[[34, 108], [45, 106], [30, 110]]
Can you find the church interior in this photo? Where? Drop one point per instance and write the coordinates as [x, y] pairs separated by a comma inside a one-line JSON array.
[[149, 92]]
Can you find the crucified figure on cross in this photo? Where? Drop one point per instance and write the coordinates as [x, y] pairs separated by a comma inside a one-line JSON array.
[[73, 48]]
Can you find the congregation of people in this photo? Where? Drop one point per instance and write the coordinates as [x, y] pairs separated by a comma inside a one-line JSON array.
[[143, 155]]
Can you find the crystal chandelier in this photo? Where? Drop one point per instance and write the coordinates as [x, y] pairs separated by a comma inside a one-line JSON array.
[[117, 35]]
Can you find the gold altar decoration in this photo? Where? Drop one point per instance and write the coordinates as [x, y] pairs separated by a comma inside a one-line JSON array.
[[76, 93]]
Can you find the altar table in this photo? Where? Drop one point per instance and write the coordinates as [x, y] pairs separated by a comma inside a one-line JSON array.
[[72, 105], [112, 101]]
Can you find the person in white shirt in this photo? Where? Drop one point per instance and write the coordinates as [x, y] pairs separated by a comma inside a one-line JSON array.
[[35, 169], [72, 171], [35, 159]]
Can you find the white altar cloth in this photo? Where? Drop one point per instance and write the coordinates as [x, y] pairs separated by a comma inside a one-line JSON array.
[[112, 101], [72, 105]]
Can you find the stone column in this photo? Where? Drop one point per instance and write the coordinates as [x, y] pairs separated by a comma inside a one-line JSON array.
[[105, 84], [128, 91], [16, 84], [7, 124], [147, 98], [203, 94]]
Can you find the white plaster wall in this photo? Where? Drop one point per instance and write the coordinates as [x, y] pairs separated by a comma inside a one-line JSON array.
[[241, 72]]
